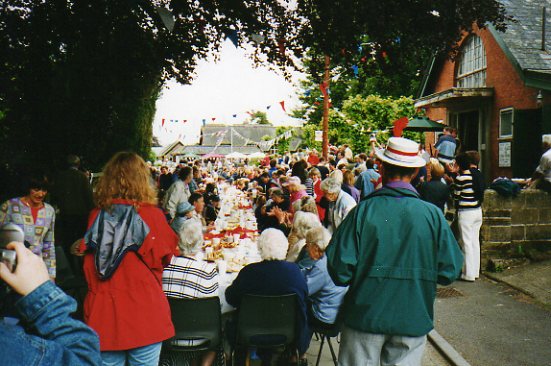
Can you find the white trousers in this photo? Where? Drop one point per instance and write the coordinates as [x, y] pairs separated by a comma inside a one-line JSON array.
[[367, 349], [469, 222]]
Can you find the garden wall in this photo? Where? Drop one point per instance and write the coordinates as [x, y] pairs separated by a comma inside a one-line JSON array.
[[516, 228]]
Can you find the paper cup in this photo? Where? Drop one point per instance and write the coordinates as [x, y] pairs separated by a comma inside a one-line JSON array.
[[215, 241], [236, 238], [208, 251]]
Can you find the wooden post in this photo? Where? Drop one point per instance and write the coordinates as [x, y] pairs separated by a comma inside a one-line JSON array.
[[325, 119]]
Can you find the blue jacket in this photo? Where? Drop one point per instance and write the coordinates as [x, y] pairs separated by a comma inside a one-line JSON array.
[[58, 339], [326, 297]]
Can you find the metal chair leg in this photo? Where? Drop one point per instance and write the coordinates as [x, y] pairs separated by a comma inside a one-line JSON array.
[[321, 349], [335, 360]]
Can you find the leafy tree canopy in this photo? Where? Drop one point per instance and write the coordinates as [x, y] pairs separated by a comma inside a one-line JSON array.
[[83, 76]]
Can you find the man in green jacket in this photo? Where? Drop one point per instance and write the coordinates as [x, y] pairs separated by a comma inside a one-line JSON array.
[[392, 250]]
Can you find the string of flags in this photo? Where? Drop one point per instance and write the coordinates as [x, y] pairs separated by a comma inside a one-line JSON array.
[[213, 119]]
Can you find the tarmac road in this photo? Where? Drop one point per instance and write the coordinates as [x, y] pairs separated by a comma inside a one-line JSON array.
[[494, 325]]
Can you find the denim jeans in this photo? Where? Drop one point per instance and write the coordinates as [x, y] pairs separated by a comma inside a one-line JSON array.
[[143, 356]]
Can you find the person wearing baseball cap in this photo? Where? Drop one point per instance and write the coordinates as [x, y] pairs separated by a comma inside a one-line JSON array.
[[392, 249]]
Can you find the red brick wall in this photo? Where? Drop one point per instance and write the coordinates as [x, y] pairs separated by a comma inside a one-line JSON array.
[[509, 91]]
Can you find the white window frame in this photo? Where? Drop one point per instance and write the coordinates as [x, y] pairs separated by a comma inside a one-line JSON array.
[[504, 110], [471, 68]]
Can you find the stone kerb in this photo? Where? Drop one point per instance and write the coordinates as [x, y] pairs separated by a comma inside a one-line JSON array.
[[517, 227]]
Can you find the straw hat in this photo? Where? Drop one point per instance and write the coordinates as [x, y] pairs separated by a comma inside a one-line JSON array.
[[401, 152]]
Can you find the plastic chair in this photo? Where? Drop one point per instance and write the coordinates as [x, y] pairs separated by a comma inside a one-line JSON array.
[[267, 322], [197, 321]]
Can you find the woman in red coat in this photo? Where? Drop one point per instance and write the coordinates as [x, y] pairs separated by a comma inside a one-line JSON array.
[[128, 244]]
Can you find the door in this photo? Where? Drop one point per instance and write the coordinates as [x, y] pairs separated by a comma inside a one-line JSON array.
[[468, 131]]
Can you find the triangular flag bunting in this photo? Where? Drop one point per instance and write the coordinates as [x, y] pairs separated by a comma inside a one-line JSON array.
[[163, 122], [282, 103]]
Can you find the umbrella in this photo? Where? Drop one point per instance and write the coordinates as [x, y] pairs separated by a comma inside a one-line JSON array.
[[423, 124], [236, 155]]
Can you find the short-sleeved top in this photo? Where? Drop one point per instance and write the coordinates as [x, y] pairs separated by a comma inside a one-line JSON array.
[[544, 166], [189, 278], [446, 146]]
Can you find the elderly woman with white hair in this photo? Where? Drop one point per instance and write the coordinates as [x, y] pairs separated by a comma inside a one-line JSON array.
[[325, 297], [302, 222], [343, 203], [273, 276], [188, 276]]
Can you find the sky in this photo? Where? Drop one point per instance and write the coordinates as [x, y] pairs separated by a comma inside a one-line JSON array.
[[221, 89]]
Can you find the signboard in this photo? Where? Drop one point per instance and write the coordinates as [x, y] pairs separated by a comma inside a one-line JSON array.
[[505, 154], [319, 136]]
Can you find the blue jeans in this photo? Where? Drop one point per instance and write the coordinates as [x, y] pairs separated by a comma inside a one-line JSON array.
[[143, 356]]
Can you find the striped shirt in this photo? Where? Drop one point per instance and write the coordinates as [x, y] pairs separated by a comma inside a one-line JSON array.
[[464, 191], [190, 278]]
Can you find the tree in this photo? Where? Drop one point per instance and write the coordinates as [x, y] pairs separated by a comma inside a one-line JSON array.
[[259, 118], [83, 76], [362, 116]]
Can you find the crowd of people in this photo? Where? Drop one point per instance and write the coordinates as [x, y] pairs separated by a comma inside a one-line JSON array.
[[360, 239]]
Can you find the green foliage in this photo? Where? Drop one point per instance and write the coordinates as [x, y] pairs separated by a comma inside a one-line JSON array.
[[362, 116], [259, 118], [283, 144], [83, 76]]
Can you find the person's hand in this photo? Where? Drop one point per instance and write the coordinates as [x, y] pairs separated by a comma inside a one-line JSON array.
[[75, 249], [30, 272]]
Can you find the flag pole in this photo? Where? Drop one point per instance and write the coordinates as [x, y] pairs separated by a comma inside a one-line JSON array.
[[325, 142]]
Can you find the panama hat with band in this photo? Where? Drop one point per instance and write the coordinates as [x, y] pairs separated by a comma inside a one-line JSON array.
[[401, 152]]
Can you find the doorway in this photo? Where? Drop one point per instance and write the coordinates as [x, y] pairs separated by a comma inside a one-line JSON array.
[[468, 131]]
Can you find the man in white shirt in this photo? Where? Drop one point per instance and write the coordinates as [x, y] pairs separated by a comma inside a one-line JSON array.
[[541, 178]]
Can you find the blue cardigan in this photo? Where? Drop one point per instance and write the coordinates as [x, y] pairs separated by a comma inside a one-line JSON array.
[[273, 278]]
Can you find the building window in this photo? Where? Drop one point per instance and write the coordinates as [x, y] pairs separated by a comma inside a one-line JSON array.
[[471, 71], [506, 123]]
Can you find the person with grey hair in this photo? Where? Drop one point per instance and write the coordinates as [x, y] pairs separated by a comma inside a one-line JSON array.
[[325, 297], [541, 179], [341, 205], [273, 276], [302, 222], [189, 277], [306, 204]]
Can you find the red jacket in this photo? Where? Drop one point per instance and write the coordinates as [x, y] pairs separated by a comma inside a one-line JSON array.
[[130, 309]]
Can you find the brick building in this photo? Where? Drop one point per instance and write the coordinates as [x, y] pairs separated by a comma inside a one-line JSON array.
[[497, 92]]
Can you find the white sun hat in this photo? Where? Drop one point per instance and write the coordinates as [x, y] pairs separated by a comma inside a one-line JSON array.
[[401, 152]]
